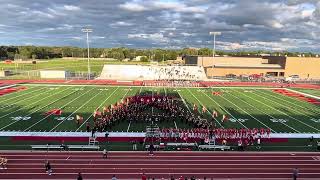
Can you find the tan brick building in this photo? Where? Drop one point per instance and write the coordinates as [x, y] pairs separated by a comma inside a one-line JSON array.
[[305, 67]]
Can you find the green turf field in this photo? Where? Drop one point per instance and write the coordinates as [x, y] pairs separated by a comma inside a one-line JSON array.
[[309, 91], [246, 107]]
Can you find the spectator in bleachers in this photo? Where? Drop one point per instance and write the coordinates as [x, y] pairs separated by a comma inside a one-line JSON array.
[[295, 173], [114, 177]]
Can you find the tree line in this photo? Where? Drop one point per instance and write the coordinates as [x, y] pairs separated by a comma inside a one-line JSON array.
[[121, 53]]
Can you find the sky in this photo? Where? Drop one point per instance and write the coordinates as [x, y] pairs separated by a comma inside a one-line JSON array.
[[275, 25]]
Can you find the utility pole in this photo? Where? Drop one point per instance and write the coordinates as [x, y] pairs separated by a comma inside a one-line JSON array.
[[214, 42], [88, 30]]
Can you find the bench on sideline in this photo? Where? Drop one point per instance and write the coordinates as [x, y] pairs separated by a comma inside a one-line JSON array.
[[59, 147], [210, 147], [47, 147], [84, 147]]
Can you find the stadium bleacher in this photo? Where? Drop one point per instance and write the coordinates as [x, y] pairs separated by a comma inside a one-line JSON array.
[[140, 72]]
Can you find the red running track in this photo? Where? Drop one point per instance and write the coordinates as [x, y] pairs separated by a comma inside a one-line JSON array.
[[130, 165]]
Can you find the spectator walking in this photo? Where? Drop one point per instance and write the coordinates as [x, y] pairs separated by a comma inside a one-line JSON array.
[[143, 177], [151, 149], [48, 168], [295, 173], [134, 145], [105, 154], [79, 176], [114, 177]]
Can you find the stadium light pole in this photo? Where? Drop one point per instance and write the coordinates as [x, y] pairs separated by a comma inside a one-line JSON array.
[[214, 42], [88, 30]]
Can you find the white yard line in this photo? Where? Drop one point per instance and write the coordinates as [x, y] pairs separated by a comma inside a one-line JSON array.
[[303, 93], [7, 99], [23, 99], [76, 109], [247, 112], [38, 108], [307, 110], [175, 124], [98, 107], [58, 108], [268, 114], [203, 105], [27, 105], [286, 113]]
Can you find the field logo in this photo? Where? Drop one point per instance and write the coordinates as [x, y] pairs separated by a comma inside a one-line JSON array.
[[315, 120], [238, 120], [21, 118], [64, 118], [279, 120]]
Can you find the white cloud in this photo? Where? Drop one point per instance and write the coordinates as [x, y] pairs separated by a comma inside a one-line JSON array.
[[139, 6], [71, 8], [154, 37], [121, 23], [132, 7], [187, 34]]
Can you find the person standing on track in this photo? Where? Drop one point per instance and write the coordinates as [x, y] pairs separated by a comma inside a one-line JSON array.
[[143, 177], [79, 176], [151, 149], [48, 168], [295, 173], [114, 177], [105, 154]]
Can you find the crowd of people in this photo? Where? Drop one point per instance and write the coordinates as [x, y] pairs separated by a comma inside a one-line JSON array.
[[177, 72], [217, 133], [133, 110], [3, 162]]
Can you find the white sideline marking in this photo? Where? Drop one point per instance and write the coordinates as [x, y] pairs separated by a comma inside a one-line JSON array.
[[286, 113], [266, 113], [306, 109], [98, 107], [306, 94]]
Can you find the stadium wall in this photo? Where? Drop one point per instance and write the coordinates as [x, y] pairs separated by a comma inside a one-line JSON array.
[[305, 67]]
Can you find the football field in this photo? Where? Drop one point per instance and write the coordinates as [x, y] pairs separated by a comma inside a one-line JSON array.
[[246, 107]]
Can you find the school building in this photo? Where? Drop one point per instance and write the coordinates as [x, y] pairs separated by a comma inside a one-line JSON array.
[[305, 67]]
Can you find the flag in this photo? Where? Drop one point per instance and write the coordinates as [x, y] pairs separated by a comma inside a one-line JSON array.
[[56, 112], [214, 114], [195, 107], [224, 118], [204, 109], [79, 119], [96, 113], [105, 109]]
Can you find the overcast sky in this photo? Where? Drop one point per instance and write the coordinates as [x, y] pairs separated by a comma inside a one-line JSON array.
[[245, 24]]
